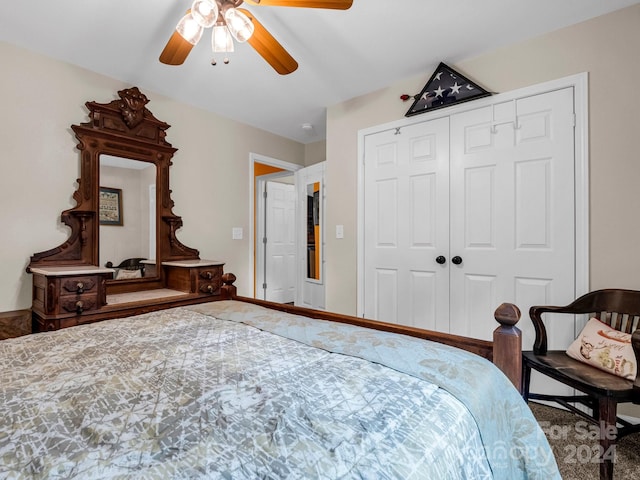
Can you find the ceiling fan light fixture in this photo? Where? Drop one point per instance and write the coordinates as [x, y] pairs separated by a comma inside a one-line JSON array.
[[241, 25], [238, 24], [221, 39], [205, 12], [190, 29]]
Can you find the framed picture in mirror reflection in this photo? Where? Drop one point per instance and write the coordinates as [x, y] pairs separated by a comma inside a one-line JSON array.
[[110, 210]]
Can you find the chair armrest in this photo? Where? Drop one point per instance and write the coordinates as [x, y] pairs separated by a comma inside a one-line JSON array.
[[635, 343], [535, 313]]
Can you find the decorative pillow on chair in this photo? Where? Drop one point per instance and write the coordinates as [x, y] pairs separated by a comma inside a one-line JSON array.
[[124, 274], [605, 348]]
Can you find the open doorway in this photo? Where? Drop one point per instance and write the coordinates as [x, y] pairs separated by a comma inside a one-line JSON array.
[[287, 253], [274, 240]]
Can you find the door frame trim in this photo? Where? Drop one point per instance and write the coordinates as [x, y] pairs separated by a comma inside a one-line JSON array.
[[579, 83], [317, 170]]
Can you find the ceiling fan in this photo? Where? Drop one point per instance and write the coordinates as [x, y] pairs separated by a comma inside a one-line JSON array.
[[232, 23]]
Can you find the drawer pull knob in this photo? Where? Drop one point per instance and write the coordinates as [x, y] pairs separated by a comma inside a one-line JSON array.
[[80, 287], [79, 307], [210, 288], [208, 275]]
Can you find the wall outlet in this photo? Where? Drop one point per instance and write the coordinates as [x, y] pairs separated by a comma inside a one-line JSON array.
[[236, 233], [339, 231]]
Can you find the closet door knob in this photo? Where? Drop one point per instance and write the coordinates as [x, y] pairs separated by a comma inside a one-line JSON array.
[[440, 259], [456, 260]]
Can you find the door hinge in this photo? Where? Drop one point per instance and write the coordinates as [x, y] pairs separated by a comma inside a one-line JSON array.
[[264, 286], [264, 194], [573, 120], [264, 240]]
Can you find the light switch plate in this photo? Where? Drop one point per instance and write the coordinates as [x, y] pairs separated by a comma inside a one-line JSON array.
[[339, 231], [236, 233]]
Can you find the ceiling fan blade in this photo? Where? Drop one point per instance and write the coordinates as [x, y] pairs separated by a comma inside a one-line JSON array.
[[269, 48], [176, 50], [333, 4]]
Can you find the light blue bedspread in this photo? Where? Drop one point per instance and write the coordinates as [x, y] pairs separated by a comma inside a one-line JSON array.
[[514, 444], [233, 391]]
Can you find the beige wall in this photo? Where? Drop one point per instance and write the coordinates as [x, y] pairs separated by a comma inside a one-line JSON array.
[[39, 163], [606, 48], [315, 152], [43, 97]]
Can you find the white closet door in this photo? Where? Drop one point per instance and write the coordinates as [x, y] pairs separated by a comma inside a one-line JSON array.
[[512, 211], [406, 212]]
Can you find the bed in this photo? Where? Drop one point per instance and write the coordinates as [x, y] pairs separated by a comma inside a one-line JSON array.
[[232, 389]]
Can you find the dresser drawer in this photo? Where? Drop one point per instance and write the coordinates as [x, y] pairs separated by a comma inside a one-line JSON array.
[[78, 304], [78, 285], [209, 280], [58, 294], [193, 277]]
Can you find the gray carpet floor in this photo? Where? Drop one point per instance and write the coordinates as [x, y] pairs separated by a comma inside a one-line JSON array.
[[576, 449]]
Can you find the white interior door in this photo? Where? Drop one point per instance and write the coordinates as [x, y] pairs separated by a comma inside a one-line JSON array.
[[512, 212], [280, 242], [406, 212]]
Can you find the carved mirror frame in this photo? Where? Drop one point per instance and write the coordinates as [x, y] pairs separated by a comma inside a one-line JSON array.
[[123, 128]]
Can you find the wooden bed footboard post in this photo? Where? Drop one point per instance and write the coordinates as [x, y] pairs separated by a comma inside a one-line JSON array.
[[507, 343], [229, 290]]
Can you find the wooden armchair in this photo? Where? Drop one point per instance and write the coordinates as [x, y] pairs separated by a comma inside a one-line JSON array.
[[600, 391], [131, 264]]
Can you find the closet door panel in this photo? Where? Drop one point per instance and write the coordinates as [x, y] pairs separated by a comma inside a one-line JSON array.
[[479, 205], [386, 195], [479, 208], [532, 203], [406, 225], [520, 230], [385, 293], [545, 145], [480, 295]]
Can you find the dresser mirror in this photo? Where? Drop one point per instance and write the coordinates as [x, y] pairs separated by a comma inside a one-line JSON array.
[[127, 217], [122, 145]]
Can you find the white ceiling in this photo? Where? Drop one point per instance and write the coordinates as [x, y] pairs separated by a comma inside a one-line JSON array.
[[341, 54]]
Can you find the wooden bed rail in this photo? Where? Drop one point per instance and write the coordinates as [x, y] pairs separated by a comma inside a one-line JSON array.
[[505, 351]]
